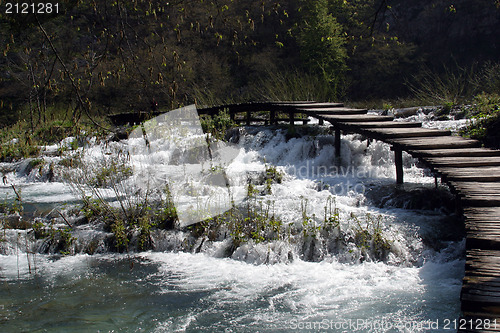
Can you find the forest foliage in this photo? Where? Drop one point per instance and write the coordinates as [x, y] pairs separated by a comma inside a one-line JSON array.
[[98, 57]]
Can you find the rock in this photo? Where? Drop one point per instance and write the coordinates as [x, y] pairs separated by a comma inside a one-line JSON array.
[[409, 196], [406, 112], [120, 134]]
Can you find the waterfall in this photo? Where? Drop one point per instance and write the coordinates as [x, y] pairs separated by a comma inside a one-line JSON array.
[[294, 235]]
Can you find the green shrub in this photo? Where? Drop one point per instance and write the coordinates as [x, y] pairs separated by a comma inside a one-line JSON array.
[[296, 85], [485, 120], [217, 125]]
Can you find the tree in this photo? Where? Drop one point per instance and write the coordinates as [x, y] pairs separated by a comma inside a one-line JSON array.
[[322, 42]]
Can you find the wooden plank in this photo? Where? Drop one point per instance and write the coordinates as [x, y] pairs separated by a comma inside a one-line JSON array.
[[487, 234], [426, 143], [481, 200], [488, 261], [481, 232], [464, 161], [468, 152], [474, 227], [480, 281], [256, 106], [479, 174], [481, 240], [483, 229], [480, 294], [471, 212], [263, 120], [489, 292], [484, 255], [486, 300], [390, 133], [383, 124], [482, 224], [478, 192], [312, 105], [473, 186], [355, 118], [491, 267], [332, 111]]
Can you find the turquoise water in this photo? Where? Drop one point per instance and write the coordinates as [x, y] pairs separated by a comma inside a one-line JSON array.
[[181, 292]]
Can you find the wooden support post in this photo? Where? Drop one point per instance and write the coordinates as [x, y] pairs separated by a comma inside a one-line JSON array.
[[321, 121], [272, 117], [398, 158], [304, 120], [337, 142], [291, 115], [249, 114], [232, 115]]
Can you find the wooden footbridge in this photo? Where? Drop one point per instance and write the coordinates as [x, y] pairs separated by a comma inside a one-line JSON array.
[[472, 173]]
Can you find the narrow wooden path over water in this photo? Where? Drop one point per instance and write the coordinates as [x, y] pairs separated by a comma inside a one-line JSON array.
[[472, 172]]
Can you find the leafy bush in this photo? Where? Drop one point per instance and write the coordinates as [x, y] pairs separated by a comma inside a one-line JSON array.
[[217, 125], [485, 120]]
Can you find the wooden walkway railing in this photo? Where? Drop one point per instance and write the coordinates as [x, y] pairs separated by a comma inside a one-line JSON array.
[[472, 172]]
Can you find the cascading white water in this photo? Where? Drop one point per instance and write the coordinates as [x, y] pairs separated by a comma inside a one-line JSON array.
[[319, 278]]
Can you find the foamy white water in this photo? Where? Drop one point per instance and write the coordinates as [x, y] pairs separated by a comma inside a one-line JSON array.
[[283, 285]]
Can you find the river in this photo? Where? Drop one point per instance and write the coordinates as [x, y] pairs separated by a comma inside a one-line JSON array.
[[303, 282]]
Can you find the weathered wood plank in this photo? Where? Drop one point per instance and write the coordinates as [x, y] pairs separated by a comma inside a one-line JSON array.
[[481, 200], [482, 224], [472, 186], [481, 213], [263, 120], [467, 152], [482, 240], [260, 106], [490, 268], [312, 105], [464, 161], [481, 281], [487, 234], [354, 118], [382, 124], [390, 133], [426, 143], [479, 174], [332, 111], [480, 295]]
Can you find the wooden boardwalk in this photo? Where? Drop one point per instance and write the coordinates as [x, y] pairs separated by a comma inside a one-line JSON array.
[[472, 172]]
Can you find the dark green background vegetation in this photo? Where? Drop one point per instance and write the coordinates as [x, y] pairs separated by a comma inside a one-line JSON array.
[[98, 57]]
